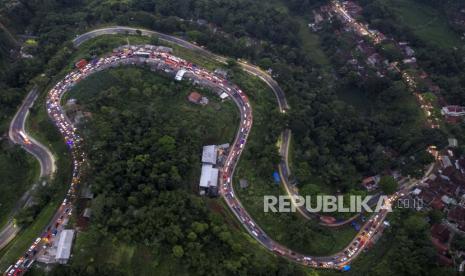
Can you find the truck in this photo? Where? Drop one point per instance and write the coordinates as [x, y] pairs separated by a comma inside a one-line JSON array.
[[24, 137], [142, 54]]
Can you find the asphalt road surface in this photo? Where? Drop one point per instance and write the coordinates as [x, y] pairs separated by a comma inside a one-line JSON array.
[[40, 152], [335, 261], [279, 93], [169, 63], [283, 106]]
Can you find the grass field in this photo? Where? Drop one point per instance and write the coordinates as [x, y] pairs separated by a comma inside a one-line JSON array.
[[310, 41], [427, 23]]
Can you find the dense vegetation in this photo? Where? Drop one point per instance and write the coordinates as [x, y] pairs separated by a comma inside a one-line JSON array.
[[393, 123], [445, 64], [144, 144], [13, 184], [262, 33], [332, 139], [405, 249]]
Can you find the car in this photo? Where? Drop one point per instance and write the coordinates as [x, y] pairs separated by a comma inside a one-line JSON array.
[[19, 262], [279, 251], [37, 241]]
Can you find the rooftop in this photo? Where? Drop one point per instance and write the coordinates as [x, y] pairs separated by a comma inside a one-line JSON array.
[[194, 97], [209, 154], [180, 74], [64, 245], [209, 177]]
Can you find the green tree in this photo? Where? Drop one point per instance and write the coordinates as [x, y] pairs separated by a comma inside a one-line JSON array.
[[388, 184], [178, 252], [436, 216]]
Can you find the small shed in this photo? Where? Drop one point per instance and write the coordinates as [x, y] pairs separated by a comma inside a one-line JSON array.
[[87, 213]]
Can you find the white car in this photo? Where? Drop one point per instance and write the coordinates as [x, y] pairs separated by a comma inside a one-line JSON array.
[[36, 242]]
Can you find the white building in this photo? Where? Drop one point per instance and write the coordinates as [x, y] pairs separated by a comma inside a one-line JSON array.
[[180, 74], [209, 177], [209, 154], [64, 246], [224, 96]]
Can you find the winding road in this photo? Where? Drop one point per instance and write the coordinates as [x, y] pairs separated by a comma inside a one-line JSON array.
[[165, 62], [39, 151], [284, 170], [279, 93]]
